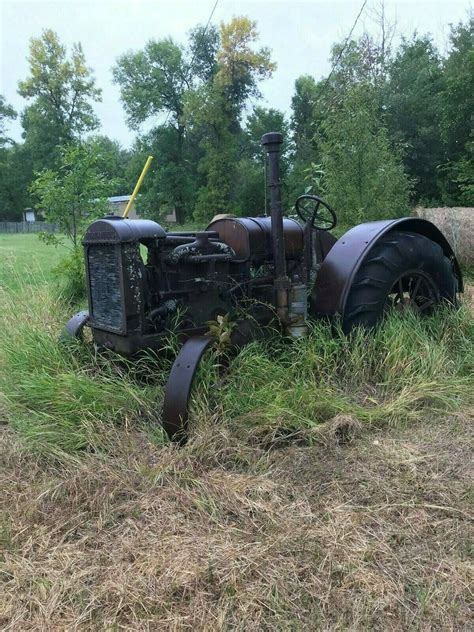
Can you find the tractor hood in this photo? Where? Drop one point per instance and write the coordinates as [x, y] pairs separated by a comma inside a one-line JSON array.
[[114, 230]]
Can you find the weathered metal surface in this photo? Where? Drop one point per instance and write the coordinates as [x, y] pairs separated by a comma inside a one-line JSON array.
[[339, 268], [318, 219], [322, 244], [114, 229], [178, 388], [75, 325], [293, 236], [201, 247], [115, 286], [105, 287], [251, 237], [297, 326], [272, 144], [414, 290]]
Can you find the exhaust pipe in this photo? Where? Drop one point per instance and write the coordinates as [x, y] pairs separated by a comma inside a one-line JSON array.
[[271, 142]]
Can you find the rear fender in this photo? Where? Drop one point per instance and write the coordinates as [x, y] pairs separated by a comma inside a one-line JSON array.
[[337, 272]]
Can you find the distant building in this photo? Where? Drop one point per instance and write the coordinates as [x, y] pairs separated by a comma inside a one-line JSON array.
[[29, 215], [170, 216], [32, 215], [118, 203]]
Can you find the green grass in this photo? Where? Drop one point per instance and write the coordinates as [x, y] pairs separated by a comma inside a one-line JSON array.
[[396, 374], [25, 260], [67, 398], [63, 397]]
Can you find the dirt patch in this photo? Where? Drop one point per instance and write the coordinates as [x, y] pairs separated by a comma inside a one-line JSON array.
[[370, 534]]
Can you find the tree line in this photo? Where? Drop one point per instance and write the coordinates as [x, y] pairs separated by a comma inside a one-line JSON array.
[[387, 128]]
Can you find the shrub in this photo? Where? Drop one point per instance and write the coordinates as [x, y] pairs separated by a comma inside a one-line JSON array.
[[71, 277], [364, 177]]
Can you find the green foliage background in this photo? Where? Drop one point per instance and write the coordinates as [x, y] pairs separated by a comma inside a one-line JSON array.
[[388, 128]]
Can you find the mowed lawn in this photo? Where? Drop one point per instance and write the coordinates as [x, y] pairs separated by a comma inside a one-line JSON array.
[[25, 260]]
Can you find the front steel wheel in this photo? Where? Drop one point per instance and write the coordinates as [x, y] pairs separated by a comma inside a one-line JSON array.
[[403, 271]]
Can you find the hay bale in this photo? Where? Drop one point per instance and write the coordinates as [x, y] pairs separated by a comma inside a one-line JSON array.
[[457, 225]]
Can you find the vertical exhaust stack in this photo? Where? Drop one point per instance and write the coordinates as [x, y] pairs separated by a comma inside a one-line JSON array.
[[272, 145]]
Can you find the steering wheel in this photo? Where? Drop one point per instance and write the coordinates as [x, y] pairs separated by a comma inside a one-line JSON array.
[[307, 208]]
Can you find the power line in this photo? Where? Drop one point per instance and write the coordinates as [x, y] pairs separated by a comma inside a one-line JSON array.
[[344, 46], [202, 37], [190, 66]]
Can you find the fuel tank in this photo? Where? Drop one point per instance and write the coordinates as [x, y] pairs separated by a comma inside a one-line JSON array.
[[251, 237]]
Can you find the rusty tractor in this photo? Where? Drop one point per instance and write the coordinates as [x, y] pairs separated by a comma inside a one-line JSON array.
[[263, 270]]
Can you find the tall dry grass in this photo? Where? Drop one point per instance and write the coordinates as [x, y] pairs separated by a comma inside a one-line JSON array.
[[225, 536]]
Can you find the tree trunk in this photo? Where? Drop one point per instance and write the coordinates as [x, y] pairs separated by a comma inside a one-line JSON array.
[[180, 212], [179, 207]]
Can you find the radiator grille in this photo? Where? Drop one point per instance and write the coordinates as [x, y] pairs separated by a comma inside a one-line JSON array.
[[105, 291]]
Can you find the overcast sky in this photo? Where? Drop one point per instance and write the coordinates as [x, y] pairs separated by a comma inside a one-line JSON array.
[[299, 33]]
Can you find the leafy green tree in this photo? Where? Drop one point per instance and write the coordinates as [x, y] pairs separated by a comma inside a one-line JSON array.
[[249, 190], [260, 121], [203, 46], [361, 61], [74, 194], [303, 120], [219, 142], [457, 115], [6, 112], [414, 113], [154, 82], [363, 174], [16, 172], [354, 63], [10, 202], [458, 95], [240, 68], [461, 173], [171, 183], [113, 161], [61, 89], [308, 106], [201, 90]]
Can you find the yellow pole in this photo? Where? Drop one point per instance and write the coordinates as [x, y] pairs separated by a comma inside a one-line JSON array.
[[137, 186]]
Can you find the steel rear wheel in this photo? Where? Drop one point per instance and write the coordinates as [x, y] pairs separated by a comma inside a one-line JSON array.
[[413, 290], [403, 271]]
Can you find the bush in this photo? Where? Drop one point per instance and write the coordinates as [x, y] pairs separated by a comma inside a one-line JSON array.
[[364, 177], [71, 277]]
